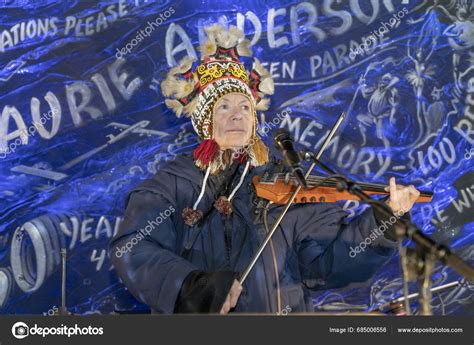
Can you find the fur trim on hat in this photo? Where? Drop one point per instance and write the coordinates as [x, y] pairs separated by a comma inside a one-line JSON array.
[[208, 153]]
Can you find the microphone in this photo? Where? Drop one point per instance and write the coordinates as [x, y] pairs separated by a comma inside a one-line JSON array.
[[284, 143]]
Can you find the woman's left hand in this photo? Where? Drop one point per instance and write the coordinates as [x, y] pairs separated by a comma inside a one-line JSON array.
[[402, 198]]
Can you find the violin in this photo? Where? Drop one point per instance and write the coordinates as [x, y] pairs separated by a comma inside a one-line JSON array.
[[279, 187]]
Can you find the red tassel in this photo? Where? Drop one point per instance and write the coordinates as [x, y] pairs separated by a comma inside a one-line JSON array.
[[206, 151]]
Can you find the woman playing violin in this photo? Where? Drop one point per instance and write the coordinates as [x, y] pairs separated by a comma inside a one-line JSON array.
[[193, 227]]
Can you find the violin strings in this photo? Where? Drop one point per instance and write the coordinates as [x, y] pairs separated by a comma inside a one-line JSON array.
[[327, 183]]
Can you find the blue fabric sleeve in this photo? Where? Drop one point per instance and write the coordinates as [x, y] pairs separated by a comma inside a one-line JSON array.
[[144, 251], [332, 253]]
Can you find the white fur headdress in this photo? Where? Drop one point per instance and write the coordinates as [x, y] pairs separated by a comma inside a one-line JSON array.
[[194, 93]]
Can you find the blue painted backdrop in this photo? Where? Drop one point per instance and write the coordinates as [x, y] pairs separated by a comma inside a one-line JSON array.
[[76, 74]]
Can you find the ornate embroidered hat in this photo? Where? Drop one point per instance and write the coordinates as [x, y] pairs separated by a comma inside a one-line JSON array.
[[219, 72], [195, 91]]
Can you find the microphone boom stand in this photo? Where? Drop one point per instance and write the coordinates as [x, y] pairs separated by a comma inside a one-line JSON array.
[[426, 251]]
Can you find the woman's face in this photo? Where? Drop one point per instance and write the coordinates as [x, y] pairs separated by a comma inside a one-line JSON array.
[[233, 121]]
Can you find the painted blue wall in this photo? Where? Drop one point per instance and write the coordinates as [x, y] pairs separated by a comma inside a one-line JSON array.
[[82, 72]]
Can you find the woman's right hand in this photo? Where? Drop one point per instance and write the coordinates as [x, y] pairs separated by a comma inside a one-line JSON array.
[[232, 297]]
